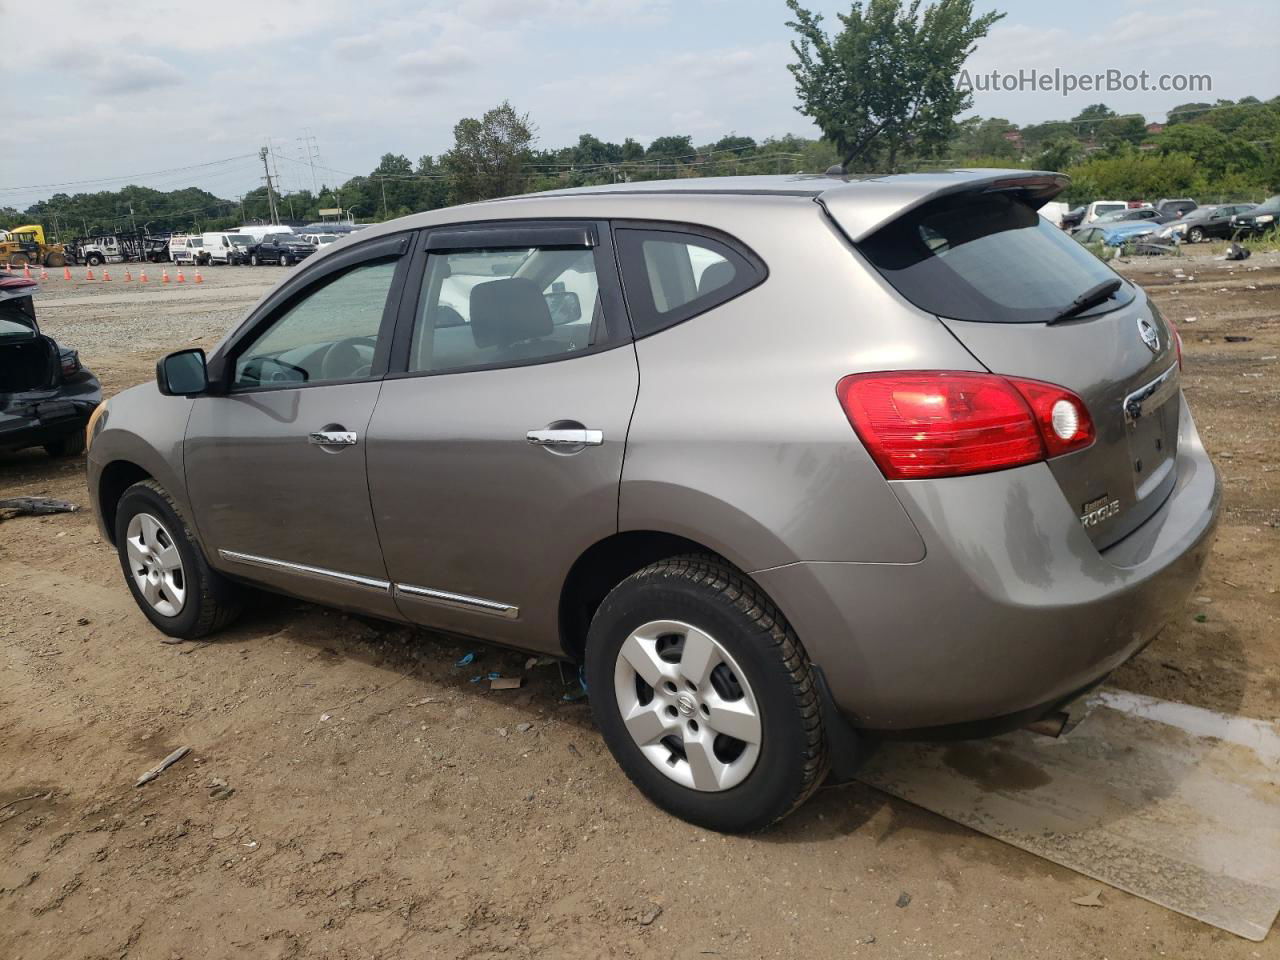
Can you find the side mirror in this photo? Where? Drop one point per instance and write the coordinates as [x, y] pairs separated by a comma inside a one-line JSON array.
[[565, 307], [183, 374]]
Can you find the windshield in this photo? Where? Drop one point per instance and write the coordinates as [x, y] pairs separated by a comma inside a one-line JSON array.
[[986, 257], [322, 240], [16, 320], [241, 241]]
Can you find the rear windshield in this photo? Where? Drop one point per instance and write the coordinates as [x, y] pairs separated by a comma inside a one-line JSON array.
[[987, 258]]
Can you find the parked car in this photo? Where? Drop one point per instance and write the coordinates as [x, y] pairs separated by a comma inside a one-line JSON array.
[[1071, 219], [1206, 222], [1116, 234], [282, 248], [948, 509], [185, 250], [1100, 208], [46, 394], [155, 249], [226, 248], [1132, 214], [320, 240], [1175, 208], [1261, 219]]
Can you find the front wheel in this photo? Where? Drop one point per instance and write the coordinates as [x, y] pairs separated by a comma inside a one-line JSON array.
[[165, 569], [94, 260], [253, 260], [285, 261], [1195, 234], [705, 696]]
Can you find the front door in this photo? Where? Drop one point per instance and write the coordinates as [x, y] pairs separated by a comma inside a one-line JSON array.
[[495, 454], [275, 467]]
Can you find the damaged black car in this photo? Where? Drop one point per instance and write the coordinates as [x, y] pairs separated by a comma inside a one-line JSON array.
[[46, 394]]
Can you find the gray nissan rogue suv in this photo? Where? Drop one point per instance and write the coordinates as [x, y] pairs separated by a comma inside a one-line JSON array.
[[787, 462]]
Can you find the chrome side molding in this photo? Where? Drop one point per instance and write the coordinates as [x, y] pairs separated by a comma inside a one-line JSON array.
[[445, 598], [304, 570], [460, 601]]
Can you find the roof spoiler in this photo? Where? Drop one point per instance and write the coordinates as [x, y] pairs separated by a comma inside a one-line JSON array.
[[861, 207]]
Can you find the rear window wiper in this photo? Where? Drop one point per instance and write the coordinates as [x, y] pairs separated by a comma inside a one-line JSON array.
[[1090, 298]]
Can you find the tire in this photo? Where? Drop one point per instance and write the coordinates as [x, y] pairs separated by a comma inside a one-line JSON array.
[[253, 259], [19, 260], [683, 603], [55, 260], [1195, 235], [69, 446], [285, 261], [209, 601]]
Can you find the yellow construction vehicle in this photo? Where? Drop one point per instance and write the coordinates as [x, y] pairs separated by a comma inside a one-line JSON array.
[[26, 244]]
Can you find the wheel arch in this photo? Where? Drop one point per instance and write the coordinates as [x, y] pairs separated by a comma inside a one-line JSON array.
[[117, 477], [604, 565]]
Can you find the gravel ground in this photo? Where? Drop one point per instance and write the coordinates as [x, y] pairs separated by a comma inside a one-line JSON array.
[[351, 794]]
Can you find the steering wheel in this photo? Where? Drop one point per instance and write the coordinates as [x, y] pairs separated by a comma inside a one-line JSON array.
[[344, 360]]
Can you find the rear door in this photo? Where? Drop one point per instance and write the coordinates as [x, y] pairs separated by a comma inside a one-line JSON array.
[[495, 454], [997, 275]]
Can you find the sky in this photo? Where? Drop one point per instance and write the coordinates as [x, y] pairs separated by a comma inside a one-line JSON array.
[[170, 96]]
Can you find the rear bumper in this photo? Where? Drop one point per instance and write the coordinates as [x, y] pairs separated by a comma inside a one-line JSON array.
[[1011, 608]]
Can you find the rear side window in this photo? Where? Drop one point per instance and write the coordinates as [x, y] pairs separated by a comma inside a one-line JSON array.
[[987, 258], [672, 275]]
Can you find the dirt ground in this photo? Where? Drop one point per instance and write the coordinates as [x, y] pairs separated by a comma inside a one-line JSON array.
[[350, 793]]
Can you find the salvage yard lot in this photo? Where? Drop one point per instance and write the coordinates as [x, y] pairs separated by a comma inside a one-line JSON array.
[[351, 793]]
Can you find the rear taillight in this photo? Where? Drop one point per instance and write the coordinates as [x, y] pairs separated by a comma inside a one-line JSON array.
[[933, 423], [70, 364]]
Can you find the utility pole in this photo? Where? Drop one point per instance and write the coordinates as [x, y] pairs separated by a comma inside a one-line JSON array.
[[313, 154], [271, 194], [384, 197]]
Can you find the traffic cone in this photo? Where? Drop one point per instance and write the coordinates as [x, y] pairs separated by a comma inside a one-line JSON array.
[[164, 277], [199, 279], [181, 278], [127, 275], [89, 275], [142, 276], [44, 274], [105, 275], [26, 271], [66, 273]]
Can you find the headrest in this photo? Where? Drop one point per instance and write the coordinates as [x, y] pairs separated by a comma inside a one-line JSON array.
[[507, 311], [715, 276]]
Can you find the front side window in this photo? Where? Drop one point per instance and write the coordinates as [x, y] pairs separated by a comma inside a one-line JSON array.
[[501, 307], [328, 335], [671, 276]]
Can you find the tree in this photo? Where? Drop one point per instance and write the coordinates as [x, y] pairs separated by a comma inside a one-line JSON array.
[[488, 155], [1058, 154], [1090, 118], [885, 85], [670, 149]]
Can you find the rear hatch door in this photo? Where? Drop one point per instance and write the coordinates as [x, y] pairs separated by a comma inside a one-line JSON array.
[[999, 277]]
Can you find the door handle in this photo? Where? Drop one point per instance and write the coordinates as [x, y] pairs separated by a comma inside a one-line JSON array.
[[333, 438], [566, 438]]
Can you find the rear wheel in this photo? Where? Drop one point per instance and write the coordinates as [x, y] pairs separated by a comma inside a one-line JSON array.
[[165, 569], [69, 446], [705, 696]]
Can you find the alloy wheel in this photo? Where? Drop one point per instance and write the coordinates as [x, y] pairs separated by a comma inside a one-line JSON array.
[[687, 705], [156, 565]]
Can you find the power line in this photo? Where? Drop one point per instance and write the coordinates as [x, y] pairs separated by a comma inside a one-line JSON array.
[[130, 176]]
